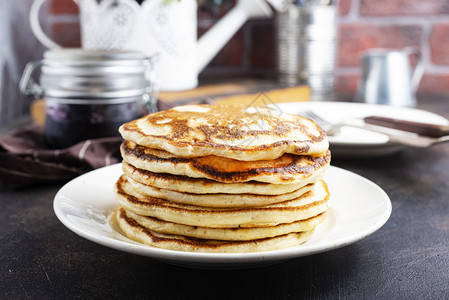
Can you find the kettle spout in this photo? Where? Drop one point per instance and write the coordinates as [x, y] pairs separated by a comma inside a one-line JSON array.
[[216, 37]]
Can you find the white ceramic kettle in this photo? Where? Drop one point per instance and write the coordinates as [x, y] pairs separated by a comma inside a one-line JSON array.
[[167, 29]]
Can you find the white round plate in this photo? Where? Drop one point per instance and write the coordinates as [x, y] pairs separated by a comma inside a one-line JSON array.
[[355, 142], [358, 207]]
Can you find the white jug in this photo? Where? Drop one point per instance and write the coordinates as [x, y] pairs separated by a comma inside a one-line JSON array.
[[166, 29]]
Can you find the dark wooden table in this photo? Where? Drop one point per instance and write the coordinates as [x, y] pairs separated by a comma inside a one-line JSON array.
[[408, 258]]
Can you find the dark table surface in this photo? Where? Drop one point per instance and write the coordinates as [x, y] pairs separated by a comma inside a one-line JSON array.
[[408, 258]]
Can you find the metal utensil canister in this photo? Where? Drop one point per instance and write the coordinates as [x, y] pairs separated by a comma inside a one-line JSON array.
[[89, 94], [306, 48]]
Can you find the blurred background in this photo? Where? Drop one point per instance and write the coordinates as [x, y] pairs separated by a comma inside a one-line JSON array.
[[251, 53], [363, 24]]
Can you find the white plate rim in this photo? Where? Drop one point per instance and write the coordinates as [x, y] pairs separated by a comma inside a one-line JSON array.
[[209, 259], [366, 148]]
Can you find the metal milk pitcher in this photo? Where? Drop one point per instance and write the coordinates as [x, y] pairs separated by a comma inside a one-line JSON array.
[[388, 78]]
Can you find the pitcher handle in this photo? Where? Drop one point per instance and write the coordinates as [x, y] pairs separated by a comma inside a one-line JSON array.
[[27, 85], [36, 26], [419, 68]]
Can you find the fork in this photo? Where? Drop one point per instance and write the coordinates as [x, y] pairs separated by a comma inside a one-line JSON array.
[[394, 135], [330, 128]]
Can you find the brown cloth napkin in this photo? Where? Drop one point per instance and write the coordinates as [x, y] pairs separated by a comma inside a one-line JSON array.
[[26, 160]]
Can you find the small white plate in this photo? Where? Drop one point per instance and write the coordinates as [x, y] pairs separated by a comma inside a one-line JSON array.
[[352, 142], [358, 207]]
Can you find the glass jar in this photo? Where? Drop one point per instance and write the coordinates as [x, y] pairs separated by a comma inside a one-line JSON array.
[[89, 94]]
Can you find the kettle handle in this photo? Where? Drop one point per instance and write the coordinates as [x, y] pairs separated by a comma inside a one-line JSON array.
[[36, 26], [419, 68]]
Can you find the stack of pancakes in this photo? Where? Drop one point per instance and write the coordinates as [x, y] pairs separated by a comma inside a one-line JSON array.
[[222, 178]]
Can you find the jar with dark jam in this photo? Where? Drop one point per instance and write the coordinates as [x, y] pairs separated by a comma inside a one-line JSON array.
[[89, 94], [67, 122]]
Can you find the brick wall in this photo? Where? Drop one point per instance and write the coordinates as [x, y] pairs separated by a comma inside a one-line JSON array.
[[396, 24], [363, 24]]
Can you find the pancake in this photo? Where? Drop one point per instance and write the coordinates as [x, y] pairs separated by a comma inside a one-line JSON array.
[[139, 233], [232, 131], [287, 168], [186, 184], [230, 234], [306, 206], [214, 200], [222, 178]]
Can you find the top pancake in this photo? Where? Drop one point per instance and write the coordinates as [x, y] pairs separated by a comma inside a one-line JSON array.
[[232, 131]]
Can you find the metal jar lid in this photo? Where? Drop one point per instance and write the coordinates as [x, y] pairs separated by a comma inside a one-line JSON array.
[[77, 73]]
